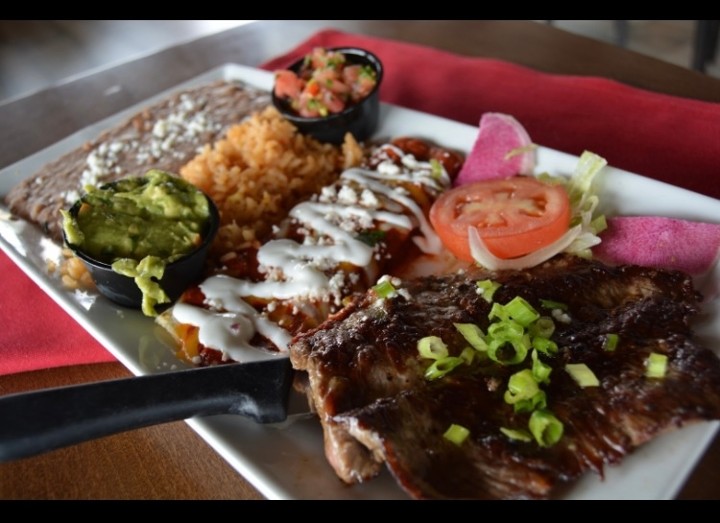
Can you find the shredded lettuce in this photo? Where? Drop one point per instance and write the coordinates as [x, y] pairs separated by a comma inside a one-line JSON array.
[[584, 228], [583, 201]]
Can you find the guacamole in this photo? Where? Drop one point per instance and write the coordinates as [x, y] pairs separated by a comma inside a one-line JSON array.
[[138, 226]]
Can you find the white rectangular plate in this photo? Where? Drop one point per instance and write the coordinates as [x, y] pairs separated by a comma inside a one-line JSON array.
[[287, 461]]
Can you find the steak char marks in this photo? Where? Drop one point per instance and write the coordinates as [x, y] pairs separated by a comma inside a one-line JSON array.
[[368, 387]]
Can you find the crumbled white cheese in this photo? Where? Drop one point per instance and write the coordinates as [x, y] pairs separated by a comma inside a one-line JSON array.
[[560, 316], [328, 194], [183, 124], [388, 168], [347, 196], [369, 199]]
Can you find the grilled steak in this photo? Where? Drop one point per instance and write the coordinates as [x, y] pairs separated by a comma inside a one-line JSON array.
[[367, 379]]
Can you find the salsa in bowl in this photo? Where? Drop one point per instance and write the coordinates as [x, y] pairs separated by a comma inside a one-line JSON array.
[[330, 92]]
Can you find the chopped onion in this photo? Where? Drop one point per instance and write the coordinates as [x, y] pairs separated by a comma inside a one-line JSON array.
[[484, 257]]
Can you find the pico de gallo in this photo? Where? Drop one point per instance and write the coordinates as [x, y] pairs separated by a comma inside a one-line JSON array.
[[327, 83]]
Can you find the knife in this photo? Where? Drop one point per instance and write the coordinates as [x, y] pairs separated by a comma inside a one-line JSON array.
[[35, 422]]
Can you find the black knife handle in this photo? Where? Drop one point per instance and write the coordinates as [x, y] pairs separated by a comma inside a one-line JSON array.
[[36, 422]]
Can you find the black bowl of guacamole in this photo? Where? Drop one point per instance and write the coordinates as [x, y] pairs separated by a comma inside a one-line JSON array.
[[144, 240]]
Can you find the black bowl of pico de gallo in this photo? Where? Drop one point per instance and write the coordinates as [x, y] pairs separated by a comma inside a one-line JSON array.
[[330, 92]]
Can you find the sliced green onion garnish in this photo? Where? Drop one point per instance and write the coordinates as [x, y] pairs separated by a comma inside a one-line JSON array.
[[544, 327], [436, 169], [521, 386], [545, 346], [552, 304], [384, 289], [582, 374], [521, 311], [545, 427], [540, 371], [468, 355], [611, 341], [441, 367], [656, 365], [487, 288], [538, 401], [509, 352], [432, 347], [505, 330], [519, 435], [456, 433], [473, 335], [498, 311]]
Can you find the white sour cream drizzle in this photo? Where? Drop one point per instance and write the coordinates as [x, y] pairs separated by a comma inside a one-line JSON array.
[[298, 271]]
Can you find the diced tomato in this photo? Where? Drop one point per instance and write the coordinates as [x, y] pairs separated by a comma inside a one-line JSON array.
[[312, 88], [308, 106], [363, 87], [333, 103], [351, 73], [331, 80], [514, 216], [287, 84]]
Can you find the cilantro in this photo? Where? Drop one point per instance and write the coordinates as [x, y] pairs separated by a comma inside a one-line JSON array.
[[371, 238]]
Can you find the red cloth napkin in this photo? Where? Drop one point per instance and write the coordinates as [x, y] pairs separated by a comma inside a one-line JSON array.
[[668, 138], [664, 137], [36, 333]]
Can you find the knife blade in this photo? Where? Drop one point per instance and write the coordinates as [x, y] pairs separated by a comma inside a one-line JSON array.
[[40, 421]]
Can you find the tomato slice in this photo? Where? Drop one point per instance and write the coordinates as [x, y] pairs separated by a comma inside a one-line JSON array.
[[514, 216]]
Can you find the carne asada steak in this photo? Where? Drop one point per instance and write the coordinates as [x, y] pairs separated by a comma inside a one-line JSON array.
[[368, 385]]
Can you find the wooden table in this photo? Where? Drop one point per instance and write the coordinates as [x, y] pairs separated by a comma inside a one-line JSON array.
[[170, 461]]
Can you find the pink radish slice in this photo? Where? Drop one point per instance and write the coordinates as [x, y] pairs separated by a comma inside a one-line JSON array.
[[664, 243], [502, 148]]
